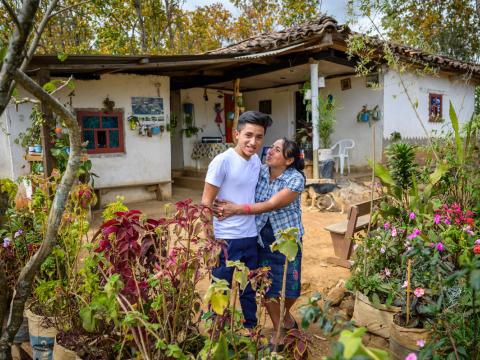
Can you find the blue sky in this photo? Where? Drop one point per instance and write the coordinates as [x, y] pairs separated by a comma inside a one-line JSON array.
[[336, 8]]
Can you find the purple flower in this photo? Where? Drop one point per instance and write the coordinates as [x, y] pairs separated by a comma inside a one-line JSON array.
[[414, 234], [468, 230], [439, 246], [386, 226], [437, 219], [411, 356], [446, 221], [382, 250], [477, 242], [412, 216], [18, 233], [394, 231], [6, 242], [420, 343]]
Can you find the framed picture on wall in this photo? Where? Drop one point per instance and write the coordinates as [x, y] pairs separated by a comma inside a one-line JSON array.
[[345, 84]]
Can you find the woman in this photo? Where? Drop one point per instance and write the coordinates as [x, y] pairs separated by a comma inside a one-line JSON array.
[[277, 207]]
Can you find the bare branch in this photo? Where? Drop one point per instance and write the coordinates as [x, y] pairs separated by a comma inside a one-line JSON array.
[[25, 280], [26, 100], [63, 86], [68, 8], [12, 14], [38, 33]]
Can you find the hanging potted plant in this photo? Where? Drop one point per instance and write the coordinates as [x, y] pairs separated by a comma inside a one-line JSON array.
[[133, 122], [326, 111]]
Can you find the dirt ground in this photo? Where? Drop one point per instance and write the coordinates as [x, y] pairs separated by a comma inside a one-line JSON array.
[[317, 274]]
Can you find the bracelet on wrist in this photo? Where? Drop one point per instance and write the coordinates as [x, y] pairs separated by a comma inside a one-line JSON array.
[[247, 208]]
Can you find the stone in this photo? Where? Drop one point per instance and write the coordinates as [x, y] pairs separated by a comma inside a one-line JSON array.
[[336, 294], [348, 304], [378, 342]]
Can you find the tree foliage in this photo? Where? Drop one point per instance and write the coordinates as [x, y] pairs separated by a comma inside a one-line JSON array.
[[157, 26], [448, 27]]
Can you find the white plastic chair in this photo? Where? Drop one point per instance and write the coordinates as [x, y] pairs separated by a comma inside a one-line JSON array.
[[340, 151]]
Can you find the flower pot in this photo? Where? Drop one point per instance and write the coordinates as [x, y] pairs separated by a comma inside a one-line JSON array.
[[325, 154], [42, 337], [377, 320], [403, 341], [62, 353]]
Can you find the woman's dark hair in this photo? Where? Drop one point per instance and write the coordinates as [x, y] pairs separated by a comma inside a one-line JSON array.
[[292, 150]]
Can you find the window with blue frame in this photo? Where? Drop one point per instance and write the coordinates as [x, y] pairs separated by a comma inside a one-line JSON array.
[[103, 131]]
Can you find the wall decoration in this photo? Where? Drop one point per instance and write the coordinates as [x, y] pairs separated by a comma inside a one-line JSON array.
[[265, 106], [148, 109], [435, 107], [345, 84], [367, 116]]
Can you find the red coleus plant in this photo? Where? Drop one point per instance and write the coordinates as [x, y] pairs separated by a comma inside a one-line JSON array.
[[160, 262]]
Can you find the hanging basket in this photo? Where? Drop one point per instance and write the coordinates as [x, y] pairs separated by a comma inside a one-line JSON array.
[[403, 341], [377, 320]]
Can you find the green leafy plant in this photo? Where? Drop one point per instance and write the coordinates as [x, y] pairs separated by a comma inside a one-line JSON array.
[[327, 109]]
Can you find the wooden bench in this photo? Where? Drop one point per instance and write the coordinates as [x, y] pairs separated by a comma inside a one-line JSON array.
[[342, 233], [162, 189]]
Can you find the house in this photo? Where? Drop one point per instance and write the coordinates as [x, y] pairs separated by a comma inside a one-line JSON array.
[[196, 93]]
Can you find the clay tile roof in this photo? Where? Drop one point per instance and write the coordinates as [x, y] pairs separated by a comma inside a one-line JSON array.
[[282, 38], [315, 29]]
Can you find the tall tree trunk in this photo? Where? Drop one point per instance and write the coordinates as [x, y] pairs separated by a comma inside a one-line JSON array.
[[16, 50], [143, 37], [25, 280]]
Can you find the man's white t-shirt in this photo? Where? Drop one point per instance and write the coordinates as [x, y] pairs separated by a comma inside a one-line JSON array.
[[236, 179]]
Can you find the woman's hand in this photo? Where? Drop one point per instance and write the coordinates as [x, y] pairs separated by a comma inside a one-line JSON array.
[[223, 209]]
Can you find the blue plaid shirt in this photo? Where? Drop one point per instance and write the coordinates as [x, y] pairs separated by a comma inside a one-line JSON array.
[[288, 216]]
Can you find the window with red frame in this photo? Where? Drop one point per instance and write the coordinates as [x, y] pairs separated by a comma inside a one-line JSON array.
[[435, 104], [102, 130]]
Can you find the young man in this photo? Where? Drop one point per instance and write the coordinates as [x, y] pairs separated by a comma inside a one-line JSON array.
[[233, 176]]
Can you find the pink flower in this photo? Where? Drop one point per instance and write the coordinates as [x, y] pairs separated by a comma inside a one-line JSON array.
[[412, 216], [446, 221], [419, 292], [386, 226], [437, 219], [414, 234], [421, 343], [405, 284], [387, 272], [411, 356], [439, 246], [394, 231], [382, 250]]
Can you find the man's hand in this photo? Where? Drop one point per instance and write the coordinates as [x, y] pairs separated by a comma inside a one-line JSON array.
[[223, 209]]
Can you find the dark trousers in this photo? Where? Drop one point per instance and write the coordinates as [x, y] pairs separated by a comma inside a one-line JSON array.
[[245, 250]]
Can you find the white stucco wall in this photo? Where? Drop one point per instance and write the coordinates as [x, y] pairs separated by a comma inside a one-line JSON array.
[[145, 160], [204, 119], [283, 110], [349, 104], [400, 115], [14, 122]]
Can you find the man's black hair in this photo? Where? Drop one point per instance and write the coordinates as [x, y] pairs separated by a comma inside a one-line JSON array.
[[255, 118]]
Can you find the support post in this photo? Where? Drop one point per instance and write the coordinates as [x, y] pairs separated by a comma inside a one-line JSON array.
[[48, 161], [236, 95], [315, 115]]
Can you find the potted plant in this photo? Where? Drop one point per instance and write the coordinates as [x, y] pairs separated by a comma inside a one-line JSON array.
[[327, 109]]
